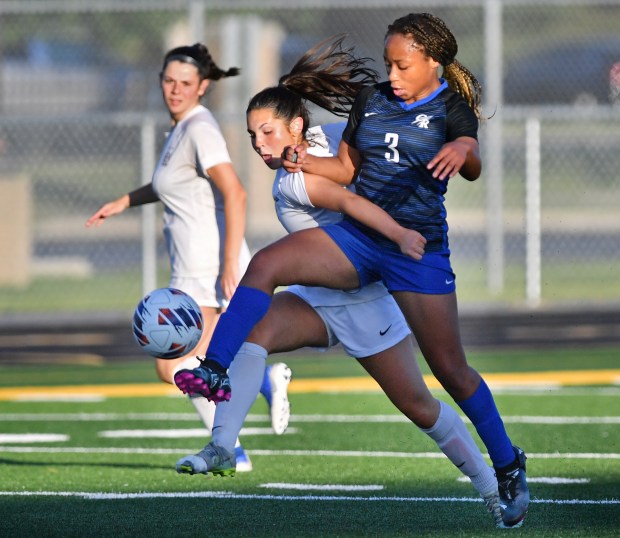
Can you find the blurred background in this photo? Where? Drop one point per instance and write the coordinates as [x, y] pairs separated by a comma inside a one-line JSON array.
[[82, 122]]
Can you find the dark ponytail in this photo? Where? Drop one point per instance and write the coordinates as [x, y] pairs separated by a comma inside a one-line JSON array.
[[327, 75], [199, 56]]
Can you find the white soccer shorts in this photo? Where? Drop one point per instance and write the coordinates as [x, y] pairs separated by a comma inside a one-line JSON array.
[[363, 329]]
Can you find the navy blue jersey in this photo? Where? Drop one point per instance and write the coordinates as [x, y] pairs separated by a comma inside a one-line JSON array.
[[396, 141]]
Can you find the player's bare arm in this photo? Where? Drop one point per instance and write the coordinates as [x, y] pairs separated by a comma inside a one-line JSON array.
[[325, 193], [235, 201], [459, 156], [142, 195]]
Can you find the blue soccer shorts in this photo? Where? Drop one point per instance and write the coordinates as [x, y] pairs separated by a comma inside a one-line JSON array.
[[431, 275]]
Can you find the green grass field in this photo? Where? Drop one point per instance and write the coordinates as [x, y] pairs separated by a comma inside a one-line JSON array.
[[349, 465]]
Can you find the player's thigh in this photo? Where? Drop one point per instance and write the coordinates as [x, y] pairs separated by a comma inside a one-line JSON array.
[[435, 325], [307, 257], [290, 323], [397, 372]]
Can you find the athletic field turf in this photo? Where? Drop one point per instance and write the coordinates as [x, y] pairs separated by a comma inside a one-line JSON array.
[[89, 450]]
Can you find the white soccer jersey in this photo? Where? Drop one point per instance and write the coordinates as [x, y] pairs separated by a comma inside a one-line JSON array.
[[194, 224], [296, 212]]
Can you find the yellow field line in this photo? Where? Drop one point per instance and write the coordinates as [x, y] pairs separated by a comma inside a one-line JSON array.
[[529, 379], [342, 384]]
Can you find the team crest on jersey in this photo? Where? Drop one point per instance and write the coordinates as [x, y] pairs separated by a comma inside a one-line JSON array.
[[422, 121]]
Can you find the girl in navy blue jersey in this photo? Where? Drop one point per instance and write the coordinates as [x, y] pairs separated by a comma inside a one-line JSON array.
[[404, 140], [367, 323]]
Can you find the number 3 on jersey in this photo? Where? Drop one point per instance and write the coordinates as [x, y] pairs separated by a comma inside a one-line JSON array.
[[391, 139]]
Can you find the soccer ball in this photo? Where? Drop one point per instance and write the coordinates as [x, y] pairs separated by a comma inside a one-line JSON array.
[[167, 323]]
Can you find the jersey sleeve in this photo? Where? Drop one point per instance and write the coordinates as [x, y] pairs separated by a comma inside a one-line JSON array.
[[357, 111], [462, 120], [210, 145], [294, 208], [292, 188]]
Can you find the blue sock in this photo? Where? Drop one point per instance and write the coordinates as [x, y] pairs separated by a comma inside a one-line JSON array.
[[481, 410], [265, 388], [246, 309]]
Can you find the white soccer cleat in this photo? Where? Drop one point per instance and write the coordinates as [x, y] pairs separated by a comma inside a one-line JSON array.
[[279, 377], [244, 464]]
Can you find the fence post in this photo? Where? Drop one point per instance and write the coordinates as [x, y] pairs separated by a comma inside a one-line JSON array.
[[196, 20], [149, 229], [494, 141], [532, 212]]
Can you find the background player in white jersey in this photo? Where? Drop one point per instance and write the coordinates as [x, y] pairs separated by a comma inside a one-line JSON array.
[[367, 322], [204, 215]]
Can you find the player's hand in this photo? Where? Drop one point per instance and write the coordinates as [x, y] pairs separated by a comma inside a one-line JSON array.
[[293, 157], [108, 210], [412, 244], [448, 162], [230, 279]]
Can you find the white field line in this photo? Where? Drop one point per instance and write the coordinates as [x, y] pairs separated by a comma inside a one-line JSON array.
[[363, 454], [507, 419], [320, 453], [33, 437], [178, 434], [295, 498], [323, 487], [555, 480], [92, 417]]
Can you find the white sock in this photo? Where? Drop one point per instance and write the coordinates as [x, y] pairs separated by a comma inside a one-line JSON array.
[[246, 377], [204, 407], [455, 441]]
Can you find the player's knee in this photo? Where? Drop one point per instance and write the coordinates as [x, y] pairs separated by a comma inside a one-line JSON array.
[[262, 335], [261, 271], [459, 382], [422, 412]]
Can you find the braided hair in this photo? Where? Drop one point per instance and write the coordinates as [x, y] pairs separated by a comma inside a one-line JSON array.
[[328, 75], [438, 42], [199, 56]]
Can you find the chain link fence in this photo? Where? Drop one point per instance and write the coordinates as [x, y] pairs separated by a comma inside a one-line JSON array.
[[82, 122]]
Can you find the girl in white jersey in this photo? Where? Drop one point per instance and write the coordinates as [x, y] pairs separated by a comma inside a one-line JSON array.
[[204, 213], [367, 322]]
